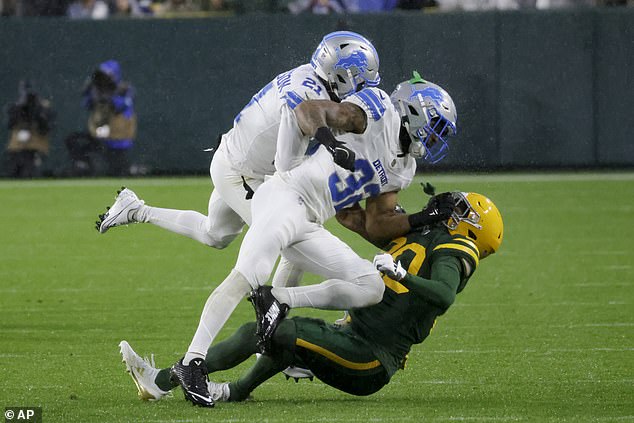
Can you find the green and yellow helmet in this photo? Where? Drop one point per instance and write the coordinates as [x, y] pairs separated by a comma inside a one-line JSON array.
[[476, 217]]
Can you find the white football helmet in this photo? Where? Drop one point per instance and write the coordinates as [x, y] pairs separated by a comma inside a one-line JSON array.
[[428, 117], [347, 62]]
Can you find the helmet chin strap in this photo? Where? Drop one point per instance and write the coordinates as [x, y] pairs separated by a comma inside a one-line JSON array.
[[331, 89], [353, 82], [416, 148], [334, 90]]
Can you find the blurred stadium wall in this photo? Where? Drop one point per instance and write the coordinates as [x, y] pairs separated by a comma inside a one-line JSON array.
[[534, 89]]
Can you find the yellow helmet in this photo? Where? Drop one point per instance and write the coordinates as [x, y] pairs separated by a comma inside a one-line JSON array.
[[476, 217]]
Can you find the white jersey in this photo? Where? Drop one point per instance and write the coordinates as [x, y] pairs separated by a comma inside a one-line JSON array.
[[251, 143], [327, 188]]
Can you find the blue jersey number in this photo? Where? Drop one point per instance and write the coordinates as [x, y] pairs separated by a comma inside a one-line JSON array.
[[291, 97], [355, 187], [311, 84]]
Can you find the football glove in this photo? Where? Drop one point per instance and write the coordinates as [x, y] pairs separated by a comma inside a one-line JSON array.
[[428, 188], [386, 264], [342, 155], [439, 208]]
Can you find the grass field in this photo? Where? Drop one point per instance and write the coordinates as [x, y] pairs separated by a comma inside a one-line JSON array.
[[544, 332]]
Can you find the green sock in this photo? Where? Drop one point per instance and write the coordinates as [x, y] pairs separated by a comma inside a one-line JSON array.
[[264, 368], [238, 348], [267, 365], [233, 350], [221, 356], [164, 381]]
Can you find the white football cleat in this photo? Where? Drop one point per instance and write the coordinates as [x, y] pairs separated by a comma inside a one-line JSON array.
[[142, 372], [219, 392], [120, 213]]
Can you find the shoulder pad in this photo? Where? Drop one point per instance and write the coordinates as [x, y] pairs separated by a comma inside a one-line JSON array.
[[300, 84], [460, 246], [372, 100]]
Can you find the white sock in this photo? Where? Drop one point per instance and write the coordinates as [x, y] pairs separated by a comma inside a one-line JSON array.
[[219, 306], [191, 356], [183, 222]]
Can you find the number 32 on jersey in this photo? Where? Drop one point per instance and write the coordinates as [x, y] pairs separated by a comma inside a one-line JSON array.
[[355, 187]]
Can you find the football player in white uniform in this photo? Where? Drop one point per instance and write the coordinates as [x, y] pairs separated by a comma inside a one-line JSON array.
[[343, 63], [373, 161]]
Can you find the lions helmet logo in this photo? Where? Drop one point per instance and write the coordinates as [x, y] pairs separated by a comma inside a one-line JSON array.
[[430, 92], [356, 59]]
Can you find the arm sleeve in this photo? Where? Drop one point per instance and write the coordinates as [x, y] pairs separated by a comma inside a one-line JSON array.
[[291, 143], [442, 287]]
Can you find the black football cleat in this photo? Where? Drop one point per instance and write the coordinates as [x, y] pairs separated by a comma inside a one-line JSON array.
[[193, 379], [269, 312]]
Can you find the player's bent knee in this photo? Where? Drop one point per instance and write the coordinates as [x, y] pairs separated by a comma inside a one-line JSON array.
[[285, 335], [219, 243], [235, 285], [248, 329], [373, 288]]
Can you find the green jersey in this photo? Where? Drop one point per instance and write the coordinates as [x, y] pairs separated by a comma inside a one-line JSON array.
[[439, 265]]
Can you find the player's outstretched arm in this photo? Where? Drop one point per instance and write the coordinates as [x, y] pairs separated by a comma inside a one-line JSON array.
[[353, 219], [441, 289], [314, 114], [379, 222], [382, 222]]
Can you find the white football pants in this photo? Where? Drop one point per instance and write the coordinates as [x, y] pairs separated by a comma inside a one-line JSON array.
[[227, 212], [282, 223]]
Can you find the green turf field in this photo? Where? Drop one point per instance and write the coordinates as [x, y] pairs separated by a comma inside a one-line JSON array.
[[544, 332]]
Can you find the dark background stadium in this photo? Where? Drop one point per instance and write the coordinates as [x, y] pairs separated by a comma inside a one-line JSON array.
[[534, 89]]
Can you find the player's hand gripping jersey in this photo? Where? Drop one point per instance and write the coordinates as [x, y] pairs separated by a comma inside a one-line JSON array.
[[251, 143], [327, 188]]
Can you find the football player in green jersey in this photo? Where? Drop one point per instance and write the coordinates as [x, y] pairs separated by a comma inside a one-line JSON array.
[[422, 271]]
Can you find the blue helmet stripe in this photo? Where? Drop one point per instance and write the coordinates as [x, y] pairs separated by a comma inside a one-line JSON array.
[[372, 101], [352, 35]]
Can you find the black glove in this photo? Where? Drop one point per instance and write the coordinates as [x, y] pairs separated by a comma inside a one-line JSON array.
[[439, 208], [428, 188], [342, 155]]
